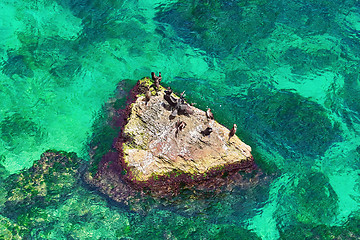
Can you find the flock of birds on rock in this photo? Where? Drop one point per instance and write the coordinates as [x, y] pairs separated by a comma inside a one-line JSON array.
[[179, 106]]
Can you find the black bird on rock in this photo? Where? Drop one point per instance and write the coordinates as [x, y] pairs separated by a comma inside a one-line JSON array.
[[170, 99], [179, 106], [207, 131], [157, 80]]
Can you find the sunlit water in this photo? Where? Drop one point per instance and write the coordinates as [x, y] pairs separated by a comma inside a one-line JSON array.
[[286, 72]]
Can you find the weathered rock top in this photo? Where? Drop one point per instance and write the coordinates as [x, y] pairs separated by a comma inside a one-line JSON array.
[[152, 146]]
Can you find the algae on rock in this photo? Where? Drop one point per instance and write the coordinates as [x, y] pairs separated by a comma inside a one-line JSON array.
[[46, 182]]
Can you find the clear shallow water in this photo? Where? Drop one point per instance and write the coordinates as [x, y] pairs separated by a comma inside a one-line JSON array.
[[287, 72]]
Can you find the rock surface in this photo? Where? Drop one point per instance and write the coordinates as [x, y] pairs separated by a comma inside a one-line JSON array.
[[152, 146]]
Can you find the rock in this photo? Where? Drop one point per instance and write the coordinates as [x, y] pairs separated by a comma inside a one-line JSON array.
[[151, 149], [48, 181], [11, 230], [153, 154]]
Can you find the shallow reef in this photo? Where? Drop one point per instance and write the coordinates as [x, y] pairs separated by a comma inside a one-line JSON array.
[[48, 181], [50, 200]]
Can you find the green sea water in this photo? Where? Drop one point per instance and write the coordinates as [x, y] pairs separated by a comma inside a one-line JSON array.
[[286, 72]]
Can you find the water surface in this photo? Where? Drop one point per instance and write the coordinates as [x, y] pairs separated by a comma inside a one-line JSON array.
[[286, 72]]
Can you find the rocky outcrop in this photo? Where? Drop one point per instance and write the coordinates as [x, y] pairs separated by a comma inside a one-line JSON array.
[[166, 144], [153, 146]]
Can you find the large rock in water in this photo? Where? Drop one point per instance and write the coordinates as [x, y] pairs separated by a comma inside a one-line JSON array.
[[152, 154], [153, 147]]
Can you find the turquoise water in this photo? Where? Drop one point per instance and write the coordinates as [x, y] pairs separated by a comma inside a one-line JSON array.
[[286, 72]]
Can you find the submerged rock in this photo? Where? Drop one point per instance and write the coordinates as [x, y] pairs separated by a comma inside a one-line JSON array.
[[166, 144], [48, 181], [10, 230]]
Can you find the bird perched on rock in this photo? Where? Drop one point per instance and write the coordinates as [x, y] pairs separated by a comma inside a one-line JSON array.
[[182, 97], [157, 80], [232, 131], [168, 91], [147, 96], [209, 114], [207, 131], [178, 105], [170, 99], [180, 125]]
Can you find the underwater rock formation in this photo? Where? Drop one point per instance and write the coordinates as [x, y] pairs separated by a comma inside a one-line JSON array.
[[10, 230], [163, 147], [49, 180]]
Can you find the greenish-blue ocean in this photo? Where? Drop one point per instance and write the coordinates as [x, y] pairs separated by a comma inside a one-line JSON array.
[[287, 72]]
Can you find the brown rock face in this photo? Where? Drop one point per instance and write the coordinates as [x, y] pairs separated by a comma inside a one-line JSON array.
[[152, 146]]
